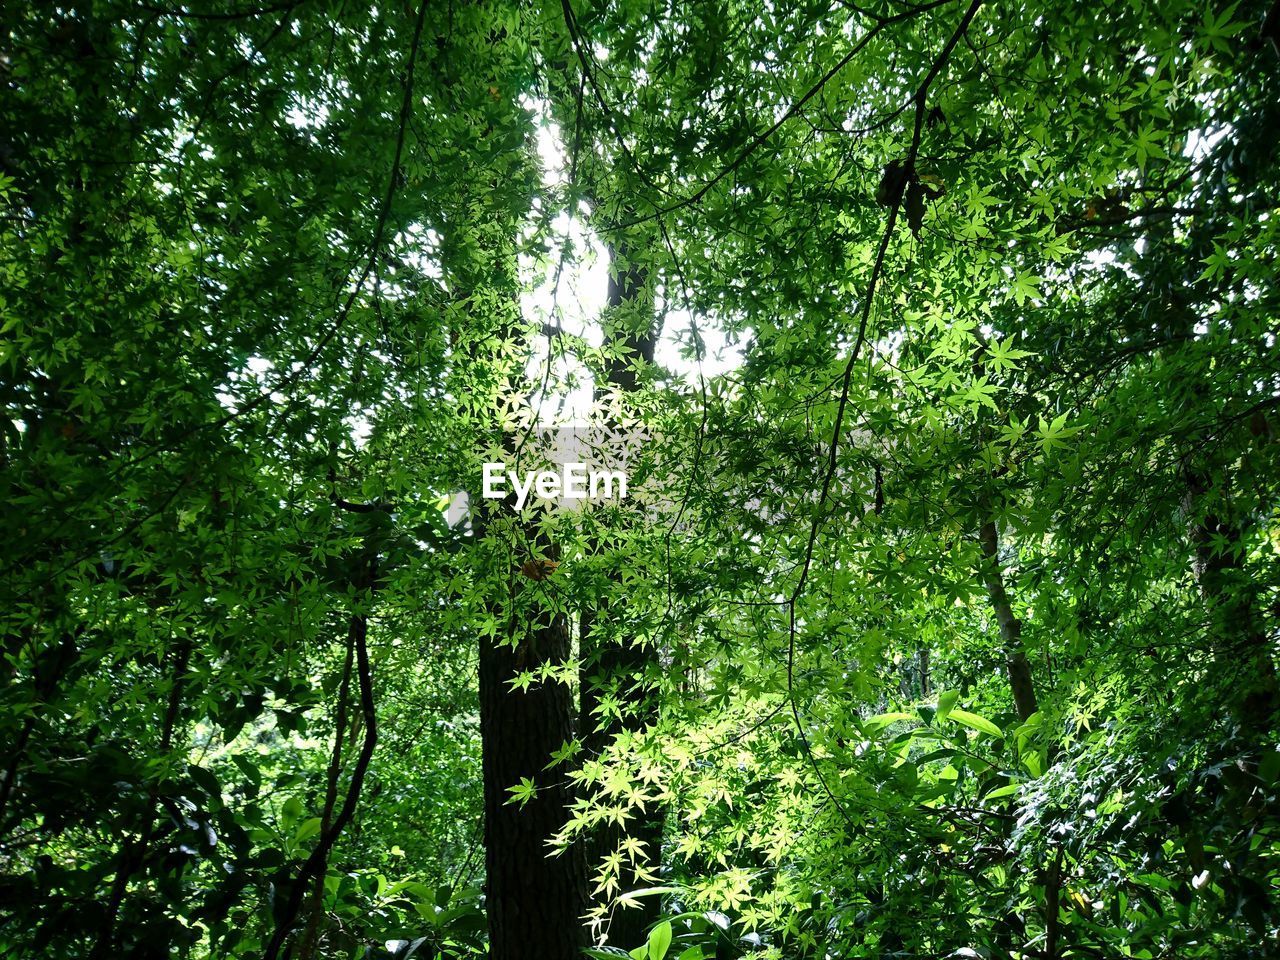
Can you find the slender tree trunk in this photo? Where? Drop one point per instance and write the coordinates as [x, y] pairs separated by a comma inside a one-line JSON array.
[[615, 663], [1052, 906], [134, 852], [311, 934], [605, 664], [1015, 660], [1019, 672], [318, 861]]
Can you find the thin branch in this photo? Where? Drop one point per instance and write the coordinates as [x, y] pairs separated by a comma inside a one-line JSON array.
[[763, 137], [920, 99], [315, 865]]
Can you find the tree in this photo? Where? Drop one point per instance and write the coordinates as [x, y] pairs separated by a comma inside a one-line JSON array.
[[941, 617]]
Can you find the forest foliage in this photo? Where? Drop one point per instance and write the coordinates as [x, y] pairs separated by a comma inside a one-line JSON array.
[[940, 619]]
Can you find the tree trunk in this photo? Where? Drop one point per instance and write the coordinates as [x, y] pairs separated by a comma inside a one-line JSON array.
[[603, 665], [1231, 601], [1019, 670], [616, 663], [535, 899], [535, 895], [1015, 660]]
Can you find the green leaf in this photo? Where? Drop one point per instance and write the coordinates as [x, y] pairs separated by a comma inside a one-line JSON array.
[[205, 780], [1025, 286], [882, 720], [1034, 762], [523, 792], [650, 892], [660, 940], [975, 722], [1269, 766], [248, 768], [291, 811], [946, 702]]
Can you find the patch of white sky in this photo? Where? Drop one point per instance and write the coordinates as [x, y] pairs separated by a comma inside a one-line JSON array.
[[568, 290], [1199, 145], [307, 113]]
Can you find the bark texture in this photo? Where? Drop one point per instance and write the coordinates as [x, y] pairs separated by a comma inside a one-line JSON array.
[[615, 663], [535, 900], [621, 666], [1015, 660]]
